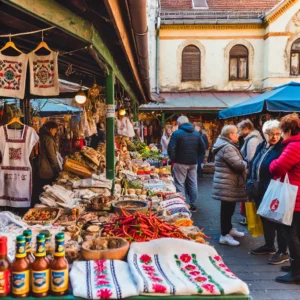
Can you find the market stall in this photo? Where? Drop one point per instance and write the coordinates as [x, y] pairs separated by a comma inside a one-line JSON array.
[[137, 217]]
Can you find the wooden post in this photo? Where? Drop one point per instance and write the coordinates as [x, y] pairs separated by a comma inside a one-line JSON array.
[[110, 126]]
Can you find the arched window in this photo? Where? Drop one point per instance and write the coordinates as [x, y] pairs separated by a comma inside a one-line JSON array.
[[238, 63], [191, 61], [295, 58]]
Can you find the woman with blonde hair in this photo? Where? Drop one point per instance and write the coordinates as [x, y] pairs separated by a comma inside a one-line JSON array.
[[165, 139]]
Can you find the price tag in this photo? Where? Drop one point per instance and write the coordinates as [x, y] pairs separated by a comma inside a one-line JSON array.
[[110, 110]]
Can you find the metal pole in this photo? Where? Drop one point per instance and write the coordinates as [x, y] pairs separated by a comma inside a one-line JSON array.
[[110, 126]]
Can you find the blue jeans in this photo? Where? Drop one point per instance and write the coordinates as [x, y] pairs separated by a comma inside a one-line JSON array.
[[185, 178]]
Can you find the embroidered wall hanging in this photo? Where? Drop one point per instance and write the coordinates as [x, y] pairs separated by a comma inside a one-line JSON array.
[[13, 75], [44, 74]]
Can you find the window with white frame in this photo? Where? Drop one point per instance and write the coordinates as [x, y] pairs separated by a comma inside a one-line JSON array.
[[295, 58], [200, 4], [238, 63], [191, 64]]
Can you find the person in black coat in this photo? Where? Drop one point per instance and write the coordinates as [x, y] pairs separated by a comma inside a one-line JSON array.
[[184, 148], [257, 184], [98, 138]]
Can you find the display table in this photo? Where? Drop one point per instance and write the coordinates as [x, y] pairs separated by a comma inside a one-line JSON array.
[[226, 297]]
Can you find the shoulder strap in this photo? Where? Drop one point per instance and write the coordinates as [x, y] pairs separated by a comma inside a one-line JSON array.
[[246, 144]]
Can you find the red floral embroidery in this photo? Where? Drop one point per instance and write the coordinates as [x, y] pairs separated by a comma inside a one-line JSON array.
[[209, 287], [200, 279], [222, 265], [156, 279], [148, 268], [100, 266], [218, 263], [217, 258], [190, 267], [194, 273], [102, 282], [185, 258], [159, 288], [104, 294], [146, 259]]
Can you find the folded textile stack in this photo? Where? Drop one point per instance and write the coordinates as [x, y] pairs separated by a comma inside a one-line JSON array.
[[102, 279], [57, 195], [174, 207], [177, 267], [96, 182]]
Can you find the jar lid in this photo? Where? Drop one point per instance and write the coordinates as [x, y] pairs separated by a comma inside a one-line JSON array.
[[40, 237], [60, 236], [27, 233], [21, 238]]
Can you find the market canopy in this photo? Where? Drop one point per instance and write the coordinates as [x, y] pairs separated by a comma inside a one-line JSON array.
[[50, 107], [284, 98], [197, 101]]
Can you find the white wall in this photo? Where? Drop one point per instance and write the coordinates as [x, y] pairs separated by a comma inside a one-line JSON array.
[[269, 56]]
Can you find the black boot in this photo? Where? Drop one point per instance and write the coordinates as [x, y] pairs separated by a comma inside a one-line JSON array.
[[292, 276], [286, 268]]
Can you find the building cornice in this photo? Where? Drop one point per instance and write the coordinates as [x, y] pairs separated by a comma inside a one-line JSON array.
[[271, 34], [278, 11], [211, 26]]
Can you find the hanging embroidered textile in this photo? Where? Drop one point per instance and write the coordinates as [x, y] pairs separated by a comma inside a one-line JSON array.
[[13, 75], [181, 268], [15, 168], [44, 74]]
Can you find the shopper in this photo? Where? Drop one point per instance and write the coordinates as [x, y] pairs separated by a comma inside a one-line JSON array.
[[229, 181], [201, 157], [184, 148], [98, 138], [289, 163], [251, 139], [165, 139], [48, 162], [259, 180]]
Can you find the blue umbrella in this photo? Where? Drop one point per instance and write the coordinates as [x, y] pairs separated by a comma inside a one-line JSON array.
[[284, 98]]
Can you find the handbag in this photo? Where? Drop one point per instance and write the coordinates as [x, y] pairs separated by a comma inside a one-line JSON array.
[[253, 188], [279, 201], [255, 226]]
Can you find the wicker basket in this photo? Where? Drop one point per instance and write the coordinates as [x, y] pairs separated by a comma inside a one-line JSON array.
[[44, 222], [119, 253]]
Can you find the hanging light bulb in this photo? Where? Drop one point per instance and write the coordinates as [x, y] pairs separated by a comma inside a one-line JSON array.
[[122, 112], [80, 97]]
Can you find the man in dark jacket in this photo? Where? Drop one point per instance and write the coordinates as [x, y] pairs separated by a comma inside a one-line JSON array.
[[185, 146]]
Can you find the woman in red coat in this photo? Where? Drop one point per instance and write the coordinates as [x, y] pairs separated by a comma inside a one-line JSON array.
[[289, 162]]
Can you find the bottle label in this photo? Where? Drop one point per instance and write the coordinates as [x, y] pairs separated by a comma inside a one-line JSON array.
[[60, 248], [40, 281], [5, 282], [21, 250], [28, 244], [40, 249], [20, 282], [59, 280]]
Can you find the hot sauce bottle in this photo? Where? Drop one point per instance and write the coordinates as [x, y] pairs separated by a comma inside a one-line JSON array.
[[40, 269], [5, 275], [48, 244], [28, 246], [20, 270], [59, 268]]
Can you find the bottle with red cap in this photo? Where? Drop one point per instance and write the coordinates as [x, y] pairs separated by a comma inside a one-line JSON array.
[[5, 275]]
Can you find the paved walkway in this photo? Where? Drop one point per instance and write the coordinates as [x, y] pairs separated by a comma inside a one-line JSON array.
[[252, 269]]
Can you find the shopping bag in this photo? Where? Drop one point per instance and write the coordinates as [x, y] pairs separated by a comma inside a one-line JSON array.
[[255, 226], [279, 201]]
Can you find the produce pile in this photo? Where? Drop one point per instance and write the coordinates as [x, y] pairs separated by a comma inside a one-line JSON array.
[[139, 227]]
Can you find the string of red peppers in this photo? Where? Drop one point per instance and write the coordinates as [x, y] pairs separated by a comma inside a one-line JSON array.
[[138, 227]]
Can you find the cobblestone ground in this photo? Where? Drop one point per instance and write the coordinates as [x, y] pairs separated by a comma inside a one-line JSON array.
[[252, 269]]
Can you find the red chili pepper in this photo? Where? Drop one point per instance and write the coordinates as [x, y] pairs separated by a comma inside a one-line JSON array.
[[127, 220]]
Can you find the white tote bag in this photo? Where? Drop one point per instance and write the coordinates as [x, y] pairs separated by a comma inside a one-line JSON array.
[[279, 201]]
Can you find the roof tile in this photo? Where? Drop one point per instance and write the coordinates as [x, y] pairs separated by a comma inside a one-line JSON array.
[[249, 5]]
